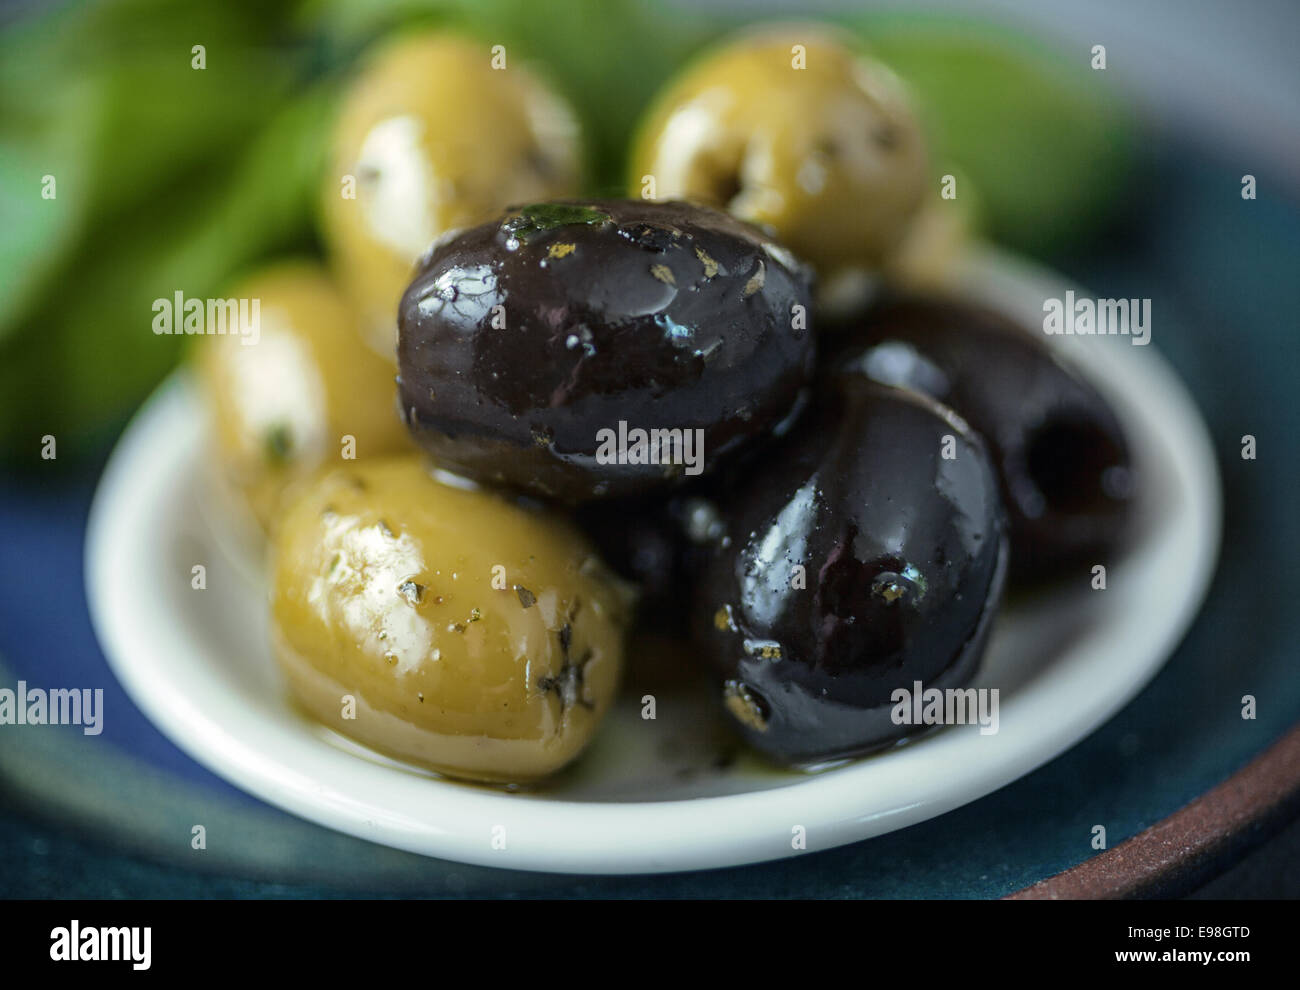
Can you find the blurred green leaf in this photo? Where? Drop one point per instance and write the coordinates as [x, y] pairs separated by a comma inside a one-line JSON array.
[[38, 232], [173, 179], [1046, 141], [103, 98], [608, 57], [92, 353]]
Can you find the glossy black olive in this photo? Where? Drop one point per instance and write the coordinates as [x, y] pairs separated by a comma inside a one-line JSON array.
[[532, 348], [867, 553], [1067, 476], [657, 543]]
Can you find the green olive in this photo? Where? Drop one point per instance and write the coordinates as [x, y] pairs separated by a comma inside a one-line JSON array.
[[445, 626], [790, 129], [298, 390], [938, 238], [432, 137]]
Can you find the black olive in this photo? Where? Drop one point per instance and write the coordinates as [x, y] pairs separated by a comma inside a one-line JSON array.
[[1064, 465], [657, 543], [865, 553], [638, 537], [532, 349]]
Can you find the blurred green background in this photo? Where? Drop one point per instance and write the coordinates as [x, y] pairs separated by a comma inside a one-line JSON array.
[[168, 178]]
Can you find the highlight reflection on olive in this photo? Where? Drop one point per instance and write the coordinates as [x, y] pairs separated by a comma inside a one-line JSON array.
[[530, 346], [472, 635], [432, 138], [863, 553], [284, 396]]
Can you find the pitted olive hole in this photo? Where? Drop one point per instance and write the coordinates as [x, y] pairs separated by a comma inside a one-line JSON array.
[[885, 136], [1073, 463], [827, 147], [726, 186]]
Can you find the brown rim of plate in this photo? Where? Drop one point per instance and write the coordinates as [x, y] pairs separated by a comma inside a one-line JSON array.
[[1177, 855]]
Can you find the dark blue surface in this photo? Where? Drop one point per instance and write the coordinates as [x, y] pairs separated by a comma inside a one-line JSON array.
[[1221, 273], [45, 631]]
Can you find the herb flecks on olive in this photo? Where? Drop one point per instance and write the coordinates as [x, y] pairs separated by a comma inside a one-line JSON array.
[[867, 553], [281, 406], [1067, 476], [435, 139], [392, 600], [533, 349], [787, 127], [539, 218]]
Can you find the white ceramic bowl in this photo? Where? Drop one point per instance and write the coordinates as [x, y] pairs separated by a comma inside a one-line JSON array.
[[649, 795]]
